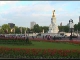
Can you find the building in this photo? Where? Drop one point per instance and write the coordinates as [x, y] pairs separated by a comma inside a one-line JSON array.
[[79, 19], [12, 25], [32, 24]]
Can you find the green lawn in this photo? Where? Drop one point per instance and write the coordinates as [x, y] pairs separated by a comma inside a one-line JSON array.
[[44, 45]]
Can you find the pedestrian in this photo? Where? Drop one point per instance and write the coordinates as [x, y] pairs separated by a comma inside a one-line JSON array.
[[32, 37], [54, 38], [36, 36], [27, 39], [70, 38], [48, 38], [43, 36]]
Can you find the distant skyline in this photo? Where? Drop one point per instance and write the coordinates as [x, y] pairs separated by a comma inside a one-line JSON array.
[[21, 13]]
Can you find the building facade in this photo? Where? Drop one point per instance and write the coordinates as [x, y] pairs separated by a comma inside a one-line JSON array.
[[12, 25], [32, 24]]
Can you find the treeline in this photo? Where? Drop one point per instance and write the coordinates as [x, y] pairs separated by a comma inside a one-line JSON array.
[[5, 29], [37, 29]]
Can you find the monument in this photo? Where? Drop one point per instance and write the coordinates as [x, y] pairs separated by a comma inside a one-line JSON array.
[[53, 28]]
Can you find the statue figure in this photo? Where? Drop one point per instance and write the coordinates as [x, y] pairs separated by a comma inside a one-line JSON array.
[[52, 21], [53, 13]]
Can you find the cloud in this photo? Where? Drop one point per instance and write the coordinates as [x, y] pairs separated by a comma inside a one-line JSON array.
[[3, 20], [40, 12], [2, 3], [38, 15]]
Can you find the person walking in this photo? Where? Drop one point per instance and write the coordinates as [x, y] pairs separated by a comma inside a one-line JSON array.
[[54, 38]]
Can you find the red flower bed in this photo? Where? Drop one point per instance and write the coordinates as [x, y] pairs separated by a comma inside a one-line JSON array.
[[51, 53]]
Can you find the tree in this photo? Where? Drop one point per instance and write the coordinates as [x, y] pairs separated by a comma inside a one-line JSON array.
[[66, 28], [23, 30], [63, 28], [46, 28], [78, 26], [36, 28], [6, 28], [60, 28], [1, 31], [17, 30], [75, 27]]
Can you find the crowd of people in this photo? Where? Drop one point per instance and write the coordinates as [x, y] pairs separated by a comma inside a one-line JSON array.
[[47, 37]]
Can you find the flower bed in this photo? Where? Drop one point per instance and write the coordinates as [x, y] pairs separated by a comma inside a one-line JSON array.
[[37, 53]]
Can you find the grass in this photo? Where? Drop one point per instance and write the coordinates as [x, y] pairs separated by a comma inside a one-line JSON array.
[[44, 45]]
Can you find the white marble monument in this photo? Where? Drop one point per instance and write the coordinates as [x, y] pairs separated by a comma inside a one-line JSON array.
[[53, 28]]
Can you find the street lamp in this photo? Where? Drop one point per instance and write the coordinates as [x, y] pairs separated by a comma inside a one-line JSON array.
[[25, 33], [77, 32], [21, 29], [71, 25]]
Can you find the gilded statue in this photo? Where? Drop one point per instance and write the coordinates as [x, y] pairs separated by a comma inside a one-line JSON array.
[[53, 13]]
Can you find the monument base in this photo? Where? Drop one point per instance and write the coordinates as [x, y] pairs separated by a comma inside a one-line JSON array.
[[52, 31]]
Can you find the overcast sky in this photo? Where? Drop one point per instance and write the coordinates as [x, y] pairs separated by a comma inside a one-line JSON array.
[[21, 13]]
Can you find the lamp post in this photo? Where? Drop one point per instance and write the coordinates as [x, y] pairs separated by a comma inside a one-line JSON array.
[[71, 27], [25, 33], [21, 30], [77, 32]]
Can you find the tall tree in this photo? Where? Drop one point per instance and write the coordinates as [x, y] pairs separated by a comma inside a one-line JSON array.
[[46, 28], [1, 31], [75, 27], [36, 28], [17, 30], [63, 28], [78, 26], [66, 28], [6, 28]]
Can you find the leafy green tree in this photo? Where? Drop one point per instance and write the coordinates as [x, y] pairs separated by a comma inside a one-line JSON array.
[[78, 26], [1, 31], [29, 30], [66, 28], [17, 30], [75, 27], [63, 28], [36, 28], [6, 28], [23, 30], [46, 28]]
